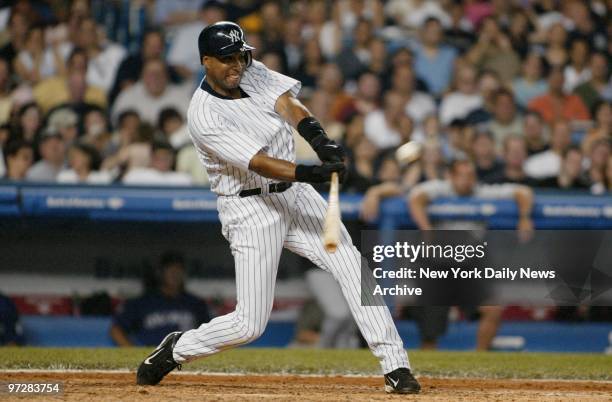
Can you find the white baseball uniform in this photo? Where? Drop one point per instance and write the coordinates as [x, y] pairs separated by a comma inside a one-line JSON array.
[[227, 133]]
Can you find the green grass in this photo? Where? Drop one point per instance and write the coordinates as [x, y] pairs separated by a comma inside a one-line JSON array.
[[303, 361]]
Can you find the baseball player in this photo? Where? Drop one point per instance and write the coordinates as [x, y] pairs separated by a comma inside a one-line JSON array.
[[240, 120]]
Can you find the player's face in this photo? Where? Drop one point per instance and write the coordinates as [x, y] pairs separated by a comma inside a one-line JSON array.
[[226, 71]]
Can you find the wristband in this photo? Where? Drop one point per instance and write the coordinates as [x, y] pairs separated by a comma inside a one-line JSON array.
[[302, 173]]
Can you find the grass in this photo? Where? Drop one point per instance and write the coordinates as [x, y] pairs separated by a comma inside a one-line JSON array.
[[304, 361]]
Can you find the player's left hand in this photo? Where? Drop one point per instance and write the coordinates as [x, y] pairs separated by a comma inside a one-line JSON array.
[[328, 150]]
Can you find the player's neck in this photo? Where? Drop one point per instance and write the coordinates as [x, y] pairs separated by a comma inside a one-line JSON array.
[[233, 93]]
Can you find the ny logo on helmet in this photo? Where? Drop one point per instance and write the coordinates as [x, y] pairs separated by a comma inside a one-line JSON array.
[[235, 36]]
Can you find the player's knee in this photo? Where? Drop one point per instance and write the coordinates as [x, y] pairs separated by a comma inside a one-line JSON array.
[[249, 331]]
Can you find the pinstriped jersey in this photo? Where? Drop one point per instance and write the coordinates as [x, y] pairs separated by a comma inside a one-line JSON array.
[[227, 133]]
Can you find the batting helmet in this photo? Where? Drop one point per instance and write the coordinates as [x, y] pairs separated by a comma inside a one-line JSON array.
[[222, 39]]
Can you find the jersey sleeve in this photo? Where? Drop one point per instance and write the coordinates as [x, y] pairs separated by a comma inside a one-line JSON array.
[[271, 83], [225, 140]]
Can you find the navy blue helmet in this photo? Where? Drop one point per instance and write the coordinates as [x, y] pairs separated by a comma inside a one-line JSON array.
[[222, 39]]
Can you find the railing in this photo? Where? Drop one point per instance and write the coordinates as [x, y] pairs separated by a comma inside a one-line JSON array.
[[120, 203]]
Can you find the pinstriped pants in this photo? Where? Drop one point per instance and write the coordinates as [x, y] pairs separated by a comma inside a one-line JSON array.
[[257, 228]]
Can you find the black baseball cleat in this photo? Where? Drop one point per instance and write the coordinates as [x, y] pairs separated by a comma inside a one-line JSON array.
[[159, 363], [401, 381]]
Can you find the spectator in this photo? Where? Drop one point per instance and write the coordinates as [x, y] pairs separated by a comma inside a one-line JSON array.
[[530, 84], [18, 28], [134, 145], [171, 13], [418, 104], [353, 60], [485, 157], [413, 14], [29, 122], [518, 32], [152, 94], [125, 134], [130, 69], [378, 57], [35, 61], [534, 132], [172, 126], [361, 174], [72, 89], [462, 182], [488, 85], [160, 172], [578, 71], [458, 140], [546, 164], [514, 156], [103, 58], [97, 132], [64, 121], [11, 332], [598, 159], [19, 155], [609, 175], [599, 86], [164, 307], [6, 96], [506, 120], [464, 99], [84, 165], [433, 61], [311, 65], [330, 86], [460, 34], [52, 150], [183, 55], [493, 51], [555, 104], [430, 166], [570, 173], [368, 94], [556, 53], [602, 112], [382, 126]]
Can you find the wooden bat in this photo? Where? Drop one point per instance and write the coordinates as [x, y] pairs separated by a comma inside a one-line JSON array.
[[331, 229]]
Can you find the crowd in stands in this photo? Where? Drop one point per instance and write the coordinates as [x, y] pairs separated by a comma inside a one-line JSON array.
[[521, 87]]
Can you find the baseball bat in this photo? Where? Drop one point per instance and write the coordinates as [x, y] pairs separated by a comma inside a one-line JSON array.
[[331, 229]]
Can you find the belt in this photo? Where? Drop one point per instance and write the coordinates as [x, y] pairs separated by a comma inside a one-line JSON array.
[[272, 188]]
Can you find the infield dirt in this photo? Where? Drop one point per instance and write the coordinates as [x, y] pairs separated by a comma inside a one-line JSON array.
[[98, 386]]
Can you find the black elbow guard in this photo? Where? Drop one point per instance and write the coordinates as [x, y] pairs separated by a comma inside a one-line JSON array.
[[311, 129]]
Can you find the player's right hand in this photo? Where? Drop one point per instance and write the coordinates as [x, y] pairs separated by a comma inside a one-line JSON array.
[[319, 174]]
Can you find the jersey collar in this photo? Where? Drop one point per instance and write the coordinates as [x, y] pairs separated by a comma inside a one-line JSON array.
[[206, 87]]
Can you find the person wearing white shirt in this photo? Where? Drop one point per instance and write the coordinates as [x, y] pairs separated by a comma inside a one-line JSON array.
[[547, 164], [458, 104], [160, 172], [84, 161], [381, 127], [149, 96]]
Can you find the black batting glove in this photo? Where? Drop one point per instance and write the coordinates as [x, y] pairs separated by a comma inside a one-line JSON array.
[[327, 150], [319, 174]]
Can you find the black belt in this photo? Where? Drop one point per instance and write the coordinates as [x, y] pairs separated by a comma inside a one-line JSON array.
[[272, 188]]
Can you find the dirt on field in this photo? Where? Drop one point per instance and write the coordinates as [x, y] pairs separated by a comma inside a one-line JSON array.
[[84, 386]]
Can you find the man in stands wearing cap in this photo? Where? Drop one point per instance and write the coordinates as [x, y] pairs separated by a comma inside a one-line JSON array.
[[64, 121]]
